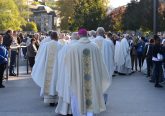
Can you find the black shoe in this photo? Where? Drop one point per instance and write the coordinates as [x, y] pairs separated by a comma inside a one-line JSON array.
[[69, 115], [113, 75], [158, 86], [121, 74], [52, 104], [12, 74], [148, 76], [151, 81], [116, 72], [2, 86]]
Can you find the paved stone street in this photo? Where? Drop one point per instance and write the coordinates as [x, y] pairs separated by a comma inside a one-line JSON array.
[[129, 96]]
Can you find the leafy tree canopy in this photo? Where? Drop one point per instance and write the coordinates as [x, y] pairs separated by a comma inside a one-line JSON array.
[[9, 15]]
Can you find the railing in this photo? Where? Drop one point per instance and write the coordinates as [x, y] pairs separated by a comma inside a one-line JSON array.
[[18, 48]]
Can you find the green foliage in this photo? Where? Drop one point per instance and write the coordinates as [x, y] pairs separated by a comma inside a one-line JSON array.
[[81, 13], [146, 14], [36, 3], [9, 15], [14, 15], [139, 15], [161, 18], [65, 9], [116, 20], [89, 14], [51, 4], [131, 18], [30, 26], [23, 10]]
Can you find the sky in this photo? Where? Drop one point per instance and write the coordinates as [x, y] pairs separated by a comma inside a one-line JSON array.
[[116, 3]]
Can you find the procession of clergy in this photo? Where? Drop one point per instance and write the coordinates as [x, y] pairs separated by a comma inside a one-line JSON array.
[[76, 72]]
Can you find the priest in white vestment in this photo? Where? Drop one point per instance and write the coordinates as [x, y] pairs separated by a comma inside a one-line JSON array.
[[67, 39], [46, 39], [61, 39], [105, 46], [92, 35], [62, 89], [117, 47], [40, 50], [38, 66], [124, 58], [42, 75], [88, 78], [112, 54]]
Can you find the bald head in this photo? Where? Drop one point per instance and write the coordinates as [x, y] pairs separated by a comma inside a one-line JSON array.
[[92, 33]]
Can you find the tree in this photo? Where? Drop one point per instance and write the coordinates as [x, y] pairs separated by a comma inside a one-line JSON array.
[[131, 17], [89, 14], [51, 4], [139, 15], [9, 15], [116, 17], [65, 10], [23, 10], [146, 14], [161, 18], [30, 26]]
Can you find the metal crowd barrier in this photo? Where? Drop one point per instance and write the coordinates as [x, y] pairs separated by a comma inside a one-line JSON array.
[[18, 48]]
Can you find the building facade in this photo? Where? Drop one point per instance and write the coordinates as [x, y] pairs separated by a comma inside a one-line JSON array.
[[44, 17]]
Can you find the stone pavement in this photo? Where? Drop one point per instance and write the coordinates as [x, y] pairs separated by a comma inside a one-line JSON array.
[[129, 96]]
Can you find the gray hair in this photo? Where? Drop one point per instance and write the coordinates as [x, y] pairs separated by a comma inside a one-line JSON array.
[[100, 31], [92, 33], [74, 36]]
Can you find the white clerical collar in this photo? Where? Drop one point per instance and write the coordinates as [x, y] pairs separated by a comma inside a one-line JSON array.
[[100, 37], [84, 40]]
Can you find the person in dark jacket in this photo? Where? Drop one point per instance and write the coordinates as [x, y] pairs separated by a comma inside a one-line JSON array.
[[163, 46], [148, 55], [3, 60], [157, 58], [134, 53], [14, 53], [7, 41], [140, 51], [31, 52]]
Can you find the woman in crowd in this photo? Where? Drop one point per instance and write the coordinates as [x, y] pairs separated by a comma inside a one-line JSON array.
[[157, 59], [31, 52]]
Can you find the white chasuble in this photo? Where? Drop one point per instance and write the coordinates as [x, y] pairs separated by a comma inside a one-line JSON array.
[[39, 62], [107, 51], [64, 106], [44, 73], [124, 62], [117, 58], [88, 78]]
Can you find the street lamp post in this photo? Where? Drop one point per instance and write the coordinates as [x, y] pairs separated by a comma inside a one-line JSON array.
[[155, 13]]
